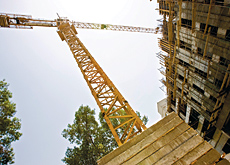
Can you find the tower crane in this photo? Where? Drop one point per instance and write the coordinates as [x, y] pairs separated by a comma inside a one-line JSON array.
[[110, 101]]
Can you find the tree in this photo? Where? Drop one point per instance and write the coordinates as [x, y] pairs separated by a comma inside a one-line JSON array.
[[9, 125], [85, 133], [93, 140]]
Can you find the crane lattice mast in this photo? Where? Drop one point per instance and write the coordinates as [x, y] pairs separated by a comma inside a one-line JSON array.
[[110, 101]]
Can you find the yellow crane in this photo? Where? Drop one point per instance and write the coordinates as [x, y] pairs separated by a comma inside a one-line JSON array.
[[110, 101]]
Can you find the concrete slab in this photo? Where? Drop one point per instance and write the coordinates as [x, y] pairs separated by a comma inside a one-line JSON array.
[[153, 147], [223, 162], [194, 154], [170, 141], [211, 157]]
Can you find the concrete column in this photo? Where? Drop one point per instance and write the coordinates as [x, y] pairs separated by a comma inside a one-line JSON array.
[[221, 32], [197, 25], [194, 46], [223, 139], [215, 58], [226, 2], [188, 111], [216, 137], [200, 124], [224, 113], [177, 105]]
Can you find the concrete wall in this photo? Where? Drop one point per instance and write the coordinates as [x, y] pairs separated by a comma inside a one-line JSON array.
[[162, 107]]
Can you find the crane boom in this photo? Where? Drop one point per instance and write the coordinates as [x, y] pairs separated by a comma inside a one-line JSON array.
[[27, 22], [112, 27], [110, 101]]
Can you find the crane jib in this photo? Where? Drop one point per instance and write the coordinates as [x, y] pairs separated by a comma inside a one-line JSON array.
[[27, 22], [110, 101]]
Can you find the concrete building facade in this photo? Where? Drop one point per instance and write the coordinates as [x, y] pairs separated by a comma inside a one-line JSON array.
[[162, 107], [196, 65]]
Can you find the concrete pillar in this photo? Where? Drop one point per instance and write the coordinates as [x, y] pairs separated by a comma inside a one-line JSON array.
[[221, 32], [224, 113], [226, 2], [200, 124], [194, 46], [215, 58], [223, 139], [216, 137], [198, 26], [188, 111], [177, 105]]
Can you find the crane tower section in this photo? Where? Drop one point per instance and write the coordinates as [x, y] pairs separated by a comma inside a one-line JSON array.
[[126, 124], [110, 101]]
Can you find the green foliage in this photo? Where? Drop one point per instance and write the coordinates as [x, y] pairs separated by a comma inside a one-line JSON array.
[[9, 125], [89, 137], [92, 140], [144, 118], [109, 141]]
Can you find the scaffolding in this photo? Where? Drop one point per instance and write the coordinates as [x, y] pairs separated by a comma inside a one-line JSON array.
[[196, 75]]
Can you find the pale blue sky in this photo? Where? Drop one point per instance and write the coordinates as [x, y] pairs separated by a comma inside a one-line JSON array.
[[46, 82]]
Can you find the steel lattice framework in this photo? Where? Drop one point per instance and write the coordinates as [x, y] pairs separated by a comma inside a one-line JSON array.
[[113, 27], [27, 22], [110, 101], [112, 104]]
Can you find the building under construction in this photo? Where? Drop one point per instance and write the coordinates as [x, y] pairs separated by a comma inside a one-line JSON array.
[[195, 63]]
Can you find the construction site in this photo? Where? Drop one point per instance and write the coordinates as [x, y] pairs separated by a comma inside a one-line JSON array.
[[195, 61], [195, 68]]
